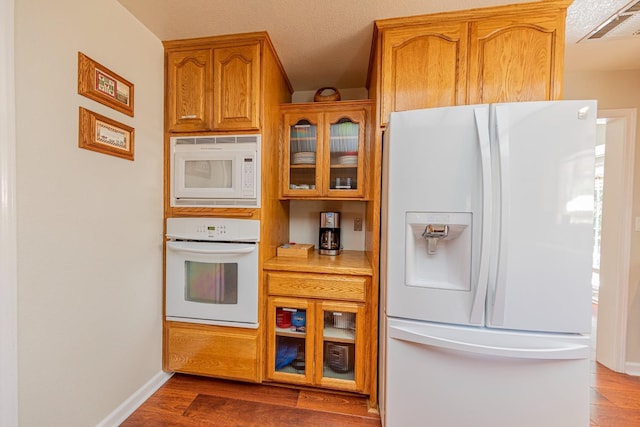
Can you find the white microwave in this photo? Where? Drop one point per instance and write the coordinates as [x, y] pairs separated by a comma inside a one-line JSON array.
[[215, 171]]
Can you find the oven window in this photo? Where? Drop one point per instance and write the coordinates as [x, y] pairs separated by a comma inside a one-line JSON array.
[[211, 283], [208, 173]]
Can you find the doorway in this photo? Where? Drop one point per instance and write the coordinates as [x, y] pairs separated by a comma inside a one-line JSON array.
[[616, 137], [597, 209]]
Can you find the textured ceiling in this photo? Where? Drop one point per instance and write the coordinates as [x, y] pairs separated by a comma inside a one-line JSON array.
[[583, 16], [327, 42]]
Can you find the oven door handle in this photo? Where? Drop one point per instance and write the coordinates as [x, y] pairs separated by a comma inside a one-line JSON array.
[[182, 248]]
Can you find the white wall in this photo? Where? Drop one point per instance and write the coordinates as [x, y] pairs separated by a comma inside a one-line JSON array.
[[616, 90], [8, 243], [89, 227], [304, 222]]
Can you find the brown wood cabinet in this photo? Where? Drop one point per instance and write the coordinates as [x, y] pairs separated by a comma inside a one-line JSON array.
[[213, 89], [327, 352], [424, 66], [233, 353], [326, 150], [516, 58], [216, 86], [236, 89], [189, 88], [317, 320], [221, 85], [500, 54]]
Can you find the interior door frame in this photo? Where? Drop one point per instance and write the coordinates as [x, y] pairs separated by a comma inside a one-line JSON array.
[[612, 332], [8, 239]]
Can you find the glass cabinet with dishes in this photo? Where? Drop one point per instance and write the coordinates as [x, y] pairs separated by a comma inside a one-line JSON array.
[[325, 150], [303, 154]]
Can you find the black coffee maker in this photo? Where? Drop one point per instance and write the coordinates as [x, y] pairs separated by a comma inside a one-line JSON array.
[[329, 242]]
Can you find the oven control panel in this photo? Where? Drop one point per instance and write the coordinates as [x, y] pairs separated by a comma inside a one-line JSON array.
[[214, 229]]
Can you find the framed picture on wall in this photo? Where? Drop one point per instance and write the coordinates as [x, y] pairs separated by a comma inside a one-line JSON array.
[[104, 135], [99, 83]]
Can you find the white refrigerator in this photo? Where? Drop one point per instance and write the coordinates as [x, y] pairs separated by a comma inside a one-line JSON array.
[[487, 241]]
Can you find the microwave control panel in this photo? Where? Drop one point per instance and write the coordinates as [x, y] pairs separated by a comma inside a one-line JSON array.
[[248, 176]]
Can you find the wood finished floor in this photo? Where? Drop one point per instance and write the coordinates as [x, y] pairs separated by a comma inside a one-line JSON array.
[[615, 398], [187, 400]]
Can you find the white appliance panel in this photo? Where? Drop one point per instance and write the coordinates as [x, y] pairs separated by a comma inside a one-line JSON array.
[[211, 271], [542, 276], [527, 187], [214, 229], [222, 171], [432, 174], [448, 376], [243, 312]]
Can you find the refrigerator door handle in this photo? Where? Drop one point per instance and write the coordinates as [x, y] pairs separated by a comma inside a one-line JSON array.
[[497, 310], [478, 305], [568, 351]]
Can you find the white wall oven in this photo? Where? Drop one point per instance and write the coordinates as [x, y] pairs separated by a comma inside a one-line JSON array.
[[212, 271], [220, 171]]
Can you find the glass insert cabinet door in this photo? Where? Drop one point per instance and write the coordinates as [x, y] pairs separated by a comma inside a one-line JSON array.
[[316, 342], [290, 347], [340, 345], [305, 156], [324, 154], [344, 154]]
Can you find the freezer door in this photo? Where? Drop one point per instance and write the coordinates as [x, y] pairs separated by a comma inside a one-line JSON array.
[[436, 214], [464, 376], [541, 275]]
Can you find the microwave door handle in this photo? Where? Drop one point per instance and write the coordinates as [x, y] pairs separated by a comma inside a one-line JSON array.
[[211, 251]]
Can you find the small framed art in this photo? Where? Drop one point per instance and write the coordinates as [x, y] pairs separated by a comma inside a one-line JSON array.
[[104, 135], [99, 83]]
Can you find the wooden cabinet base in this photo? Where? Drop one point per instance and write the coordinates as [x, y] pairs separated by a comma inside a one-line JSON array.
[[319, 321], [215, 351]]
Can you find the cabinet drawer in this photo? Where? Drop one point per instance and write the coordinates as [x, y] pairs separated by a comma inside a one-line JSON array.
[[326, 286], [213, 351]]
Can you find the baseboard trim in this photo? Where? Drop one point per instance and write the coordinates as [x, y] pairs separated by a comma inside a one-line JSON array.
[[134, 401], [632, 368]]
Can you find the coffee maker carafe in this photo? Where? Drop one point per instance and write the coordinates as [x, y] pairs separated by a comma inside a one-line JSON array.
[[329, 233]]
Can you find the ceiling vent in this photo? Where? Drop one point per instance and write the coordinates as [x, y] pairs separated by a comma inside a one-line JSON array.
[[624, 23]]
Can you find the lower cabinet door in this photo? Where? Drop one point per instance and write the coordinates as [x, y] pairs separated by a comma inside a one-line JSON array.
[[214, 351], [316, 342], [290, 346], [341, 352]]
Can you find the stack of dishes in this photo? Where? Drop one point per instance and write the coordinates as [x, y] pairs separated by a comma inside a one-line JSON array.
[[348, 158], [303, 158]]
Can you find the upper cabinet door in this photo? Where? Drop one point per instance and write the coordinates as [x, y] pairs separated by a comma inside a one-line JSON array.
[[189, 85], [302, 154], [423, 66], [344, 153], [237, 87], [326, 150], [516, 59]]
